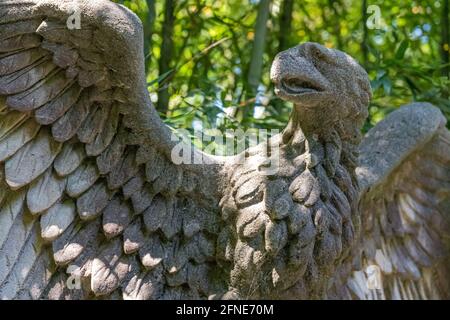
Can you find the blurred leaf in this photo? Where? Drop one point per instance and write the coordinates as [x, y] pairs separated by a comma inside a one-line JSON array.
[[401, 50], [387, 85], [161, 78]]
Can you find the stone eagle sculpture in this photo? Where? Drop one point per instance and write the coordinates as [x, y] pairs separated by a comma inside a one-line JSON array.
[[88, 191]]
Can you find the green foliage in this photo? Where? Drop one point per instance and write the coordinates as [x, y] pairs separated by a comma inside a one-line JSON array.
[[404, 63], [212, 44]]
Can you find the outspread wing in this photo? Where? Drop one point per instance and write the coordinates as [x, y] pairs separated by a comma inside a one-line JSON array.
[[405, 210], [88, 194]]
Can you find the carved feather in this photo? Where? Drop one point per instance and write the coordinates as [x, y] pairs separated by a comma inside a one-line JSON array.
[[24, 79], [116, 217], [152, 253], [26, 266], [20, 60], [11, 121], [45, 191], [104, 138], [144, 286], [58, 32], [57, 219], [109, 268], [74, 241], [133, 237], [142, 199], [17, 139], [125, 169], [63, 56], [18, 28], [93, 124], [155, 215], [23, 234], [53, 110], [69, 159], [82, 179], [31, 160], [14, 206], [112, 155], [39, 94], [93, 201], [133, 186], [67, 126]]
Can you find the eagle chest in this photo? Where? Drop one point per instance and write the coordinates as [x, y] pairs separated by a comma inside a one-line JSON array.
[[286, 228]]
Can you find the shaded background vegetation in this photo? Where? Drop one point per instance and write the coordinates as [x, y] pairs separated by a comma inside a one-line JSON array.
[[208, 61]]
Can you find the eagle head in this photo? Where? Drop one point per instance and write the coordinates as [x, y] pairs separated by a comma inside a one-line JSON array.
[[325, 85]]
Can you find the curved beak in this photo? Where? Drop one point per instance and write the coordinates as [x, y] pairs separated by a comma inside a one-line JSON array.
[[295, 77]]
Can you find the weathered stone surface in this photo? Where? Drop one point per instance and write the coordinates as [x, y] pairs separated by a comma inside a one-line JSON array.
[[395, 138], [85, 163]]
